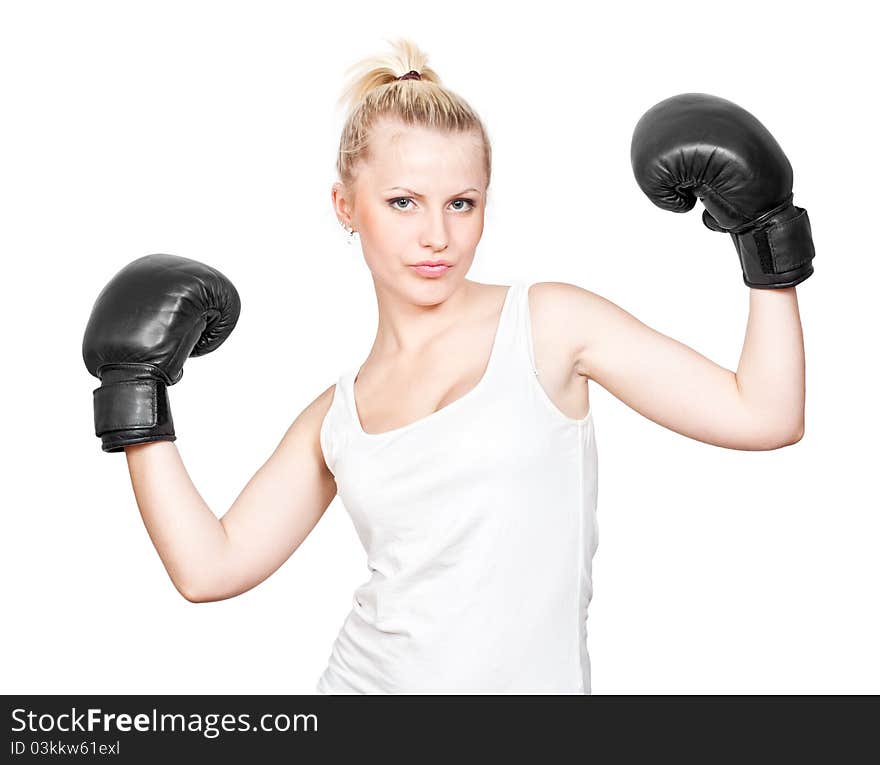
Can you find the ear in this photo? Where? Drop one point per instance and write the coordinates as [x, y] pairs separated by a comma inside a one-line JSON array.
[[339, 196]]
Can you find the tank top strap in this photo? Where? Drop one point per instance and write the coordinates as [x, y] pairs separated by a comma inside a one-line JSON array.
[[514, 340], [335, 430]]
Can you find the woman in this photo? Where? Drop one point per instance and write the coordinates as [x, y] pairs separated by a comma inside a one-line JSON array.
[[463, 446]]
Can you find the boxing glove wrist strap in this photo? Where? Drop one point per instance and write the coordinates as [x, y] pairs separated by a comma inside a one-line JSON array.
[[777, 253], [776, 250], [131, 407]]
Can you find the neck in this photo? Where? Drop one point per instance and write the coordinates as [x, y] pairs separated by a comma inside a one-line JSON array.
[[407, 328]]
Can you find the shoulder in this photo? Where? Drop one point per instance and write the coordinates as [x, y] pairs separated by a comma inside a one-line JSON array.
[[549, 295], [308, 423], [564, 316], [319, 406]]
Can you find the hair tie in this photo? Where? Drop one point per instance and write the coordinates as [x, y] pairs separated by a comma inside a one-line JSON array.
[[412, 74]]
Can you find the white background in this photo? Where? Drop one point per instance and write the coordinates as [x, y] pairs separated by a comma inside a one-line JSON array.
[[209, 130]]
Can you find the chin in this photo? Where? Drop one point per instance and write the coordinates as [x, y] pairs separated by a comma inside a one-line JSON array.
[[438, 288]]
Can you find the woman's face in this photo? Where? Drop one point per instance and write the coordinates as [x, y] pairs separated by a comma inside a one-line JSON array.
[[420, 197]]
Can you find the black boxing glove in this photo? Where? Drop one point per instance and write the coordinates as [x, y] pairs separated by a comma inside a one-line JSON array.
[[154, 314], [700, 146]]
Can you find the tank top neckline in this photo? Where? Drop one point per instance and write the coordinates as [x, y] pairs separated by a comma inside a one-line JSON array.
[[351, 376]]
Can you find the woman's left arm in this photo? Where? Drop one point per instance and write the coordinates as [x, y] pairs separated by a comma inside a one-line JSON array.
[[699, 146], [758, 407]]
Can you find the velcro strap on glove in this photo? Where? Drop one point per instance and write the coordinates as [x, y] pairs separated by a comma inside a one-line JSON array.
[[125, 405], [778, 252], [131, 411]]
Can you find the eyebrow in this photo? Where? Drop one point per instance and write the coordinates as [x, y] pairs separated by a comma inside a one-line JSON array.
[[420, 196]]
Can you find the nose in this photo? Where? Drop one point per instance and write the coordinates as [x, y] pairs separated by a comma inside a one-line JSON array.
[[434, 234]]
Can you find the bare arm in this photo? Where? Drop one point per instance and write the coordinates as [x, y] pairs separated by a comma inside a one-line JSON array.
[[212, 559], [759, 407], [771, 375]]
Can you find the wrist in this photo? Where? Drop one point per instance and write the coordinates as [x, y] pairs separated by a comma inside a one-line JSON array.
[[131, 407], [778, 252]]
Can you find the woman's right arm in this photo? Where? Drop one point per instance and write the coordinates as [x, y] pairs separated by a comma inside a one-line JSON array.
[[213, 559]]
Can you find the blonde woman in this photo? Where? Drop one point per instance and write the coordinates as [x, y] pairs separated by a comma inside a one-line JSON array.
[[463, 446]]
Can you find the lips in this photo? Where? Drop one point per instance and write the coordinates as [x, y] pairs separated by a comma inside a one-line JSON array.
[[426, 269], [433, 263]]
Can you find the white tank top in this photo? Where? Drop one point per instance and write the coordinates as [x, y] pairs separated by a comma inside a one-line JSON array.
[[479, 524]]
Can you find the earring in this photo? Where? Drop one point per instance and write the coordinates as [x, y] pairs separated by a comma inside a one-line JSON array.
[[351, 233]]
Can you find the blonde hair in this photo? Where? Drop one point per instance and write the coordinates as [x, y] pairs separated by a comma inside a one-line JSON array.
[[374, 93]]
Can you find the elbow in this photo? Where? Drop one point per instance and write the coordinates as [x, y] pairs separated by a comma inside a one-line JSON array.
[[193, 594], [792, 436], [769, 441], [207, 593]]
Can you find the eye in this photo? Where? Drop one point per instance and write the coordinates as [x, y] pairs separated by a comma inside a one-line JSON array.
[[393, 203]]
